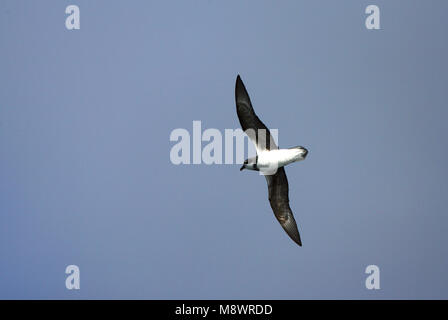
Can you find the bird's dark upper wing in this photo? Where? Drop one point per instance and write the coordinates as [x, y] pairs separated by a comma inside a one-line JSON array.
[[250, 123], [279, 199]]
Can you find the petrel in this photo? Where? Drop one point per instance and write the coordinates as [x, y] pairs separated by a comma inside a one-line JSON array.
[[270, 160]]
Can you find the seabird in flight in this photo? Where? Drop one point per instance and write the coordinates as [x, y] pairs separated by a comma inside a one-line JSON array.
[[270, 160]]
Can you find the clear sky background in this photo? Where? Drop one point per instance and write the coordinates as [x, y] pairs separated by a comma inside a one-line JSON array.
[[86, 177]]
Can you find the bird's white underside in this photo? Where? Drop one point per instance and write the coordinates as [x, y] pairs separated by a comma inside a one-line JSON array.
[[272, 159]]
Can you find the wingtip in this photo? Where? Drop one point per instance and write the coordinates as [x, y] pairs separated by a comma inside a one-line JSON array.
[[298, 241], [240, 89], [296, 238], [290, 226], [238, 81]]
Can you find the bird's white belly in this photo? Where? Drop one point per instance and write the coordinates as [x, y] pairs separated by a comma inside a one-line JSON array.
[[276, 158]]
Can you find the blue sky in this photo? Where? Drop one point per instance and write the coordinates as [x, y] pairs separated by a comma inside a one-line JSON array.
[[86, 178]]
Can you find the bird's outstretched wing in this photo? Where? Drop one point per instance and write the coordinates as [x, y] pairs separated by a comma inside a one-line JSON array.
[[279, 199], [250, 123]]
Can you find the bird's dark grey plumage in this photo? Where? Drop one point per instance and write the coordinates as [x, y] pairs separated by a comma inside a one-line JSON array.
[[249, 121], [277, 183], [279, 200]]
